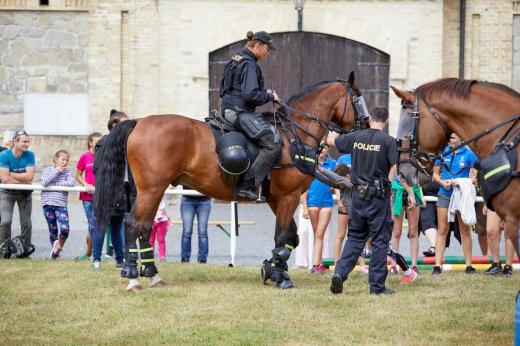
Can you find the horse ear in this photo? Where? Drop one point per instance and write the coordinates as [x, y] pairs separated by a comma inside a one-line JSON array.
[[403, 95], [352, 79]]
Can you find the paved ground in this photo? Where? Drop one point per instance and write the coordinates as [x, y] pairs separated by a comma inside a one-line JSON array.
[[253, 245]]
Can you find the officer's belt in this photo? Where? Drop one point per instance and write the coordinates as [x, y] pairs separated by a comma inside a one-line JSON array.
[[367, 192]]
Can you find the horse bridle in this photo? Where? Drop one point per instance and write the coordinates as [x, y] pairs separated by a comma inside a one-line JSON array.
[[359, 121], [420, 159]]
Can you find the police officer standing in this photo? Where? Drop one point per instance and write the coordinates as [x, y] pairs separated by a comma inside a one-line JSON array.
[[242, 90], [374, 157]]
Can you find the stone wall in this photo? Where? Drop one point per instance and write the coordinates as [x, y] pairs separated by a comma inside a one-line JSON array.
[[40, 52]]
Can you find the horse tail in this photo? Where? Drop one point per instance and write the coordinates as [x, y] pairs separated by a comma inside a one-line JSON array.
[[109, 168]]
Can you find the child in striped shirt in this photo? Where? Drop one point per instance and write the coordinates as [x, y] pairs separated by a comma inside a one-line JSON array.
[[54, 203]]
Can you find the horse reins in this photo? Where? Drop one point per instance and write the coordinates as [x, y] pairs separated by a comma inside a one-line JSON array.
[[413, 148], [331, 126]]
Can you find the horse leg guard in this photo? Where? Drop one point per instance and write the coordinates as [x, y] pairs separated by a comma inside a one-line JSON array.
[[130, 269], [148, 268], [276, 268]]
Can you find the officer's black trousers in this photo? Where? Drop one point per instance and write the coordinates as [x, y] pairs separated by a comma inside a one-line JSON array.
[[269, 151], [368, 218]]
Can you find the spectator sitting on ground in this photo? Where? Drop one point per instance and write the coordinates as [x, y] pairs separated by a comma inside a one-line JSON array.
[[16, 167]]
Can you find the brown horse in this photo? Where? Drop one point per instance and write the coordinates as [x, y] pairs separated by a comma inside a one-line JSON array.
[[469, 108], [172, 149]]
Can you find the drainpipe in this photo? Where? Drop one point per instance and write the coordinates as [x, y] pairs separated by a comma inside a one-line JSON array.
[[462, 37], [298, 6]]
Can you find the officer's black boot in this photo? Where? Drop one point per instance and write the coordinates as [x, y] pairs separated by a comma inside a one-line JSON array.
[[276, 268], [247, 189]]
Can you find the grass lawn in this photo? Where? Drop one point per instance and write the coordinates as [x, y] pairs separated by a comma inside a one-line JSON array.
[[65, 302]]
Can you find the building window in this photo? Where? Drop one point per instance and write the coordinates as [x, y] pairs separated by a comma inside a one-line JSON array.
[[44, 2]]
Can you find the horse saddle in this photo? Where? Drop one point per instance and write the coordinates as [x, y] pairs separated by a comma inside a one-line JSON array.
[[237, 152], [495, 171]]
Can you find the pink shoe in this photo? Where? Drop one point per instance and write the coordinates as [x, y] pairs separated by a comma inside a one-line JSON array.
[[318, 269], [408, 279], [393, 270]]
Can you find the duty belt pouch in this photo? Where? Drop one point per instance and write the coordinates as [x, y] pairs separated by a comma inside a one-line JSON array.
[[363, 192]]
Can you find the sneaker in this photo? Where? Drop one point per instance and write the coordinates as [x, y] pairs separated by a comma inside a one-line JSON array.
[[496, 268], [393, 269], [470, 270], [508, 270], [319, 269], [162, 259], [185, 260], [436, 270], [336, 285], [415, 269], [202, 261], [430, 252], [408, 279], [96, 265], [120, 264], [385, 291]]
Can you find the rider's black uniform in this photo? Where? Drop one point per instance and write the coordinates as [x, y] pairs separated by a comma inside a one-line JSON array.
[[373, 154], [242, 90]]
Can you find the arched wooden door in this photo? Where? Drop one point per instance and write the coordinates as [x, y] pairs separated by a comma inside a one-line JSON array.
[[305, 58]]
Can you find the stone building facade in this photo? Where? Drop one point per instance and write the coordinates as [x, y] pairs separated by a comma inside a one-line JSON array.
[[151, 56]]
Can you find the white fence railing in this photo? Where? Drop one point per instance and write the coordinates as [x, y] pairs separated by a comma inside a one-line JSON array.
[[233, 214]]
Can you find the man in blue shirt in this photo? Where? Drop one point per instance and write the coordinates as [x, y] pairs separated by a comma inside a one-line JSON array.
[[17, 166]]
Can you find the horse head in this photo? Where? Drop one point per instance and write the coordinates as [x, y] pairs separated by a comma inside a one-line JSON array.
[[336, 105], [420, 137], [350, 111]]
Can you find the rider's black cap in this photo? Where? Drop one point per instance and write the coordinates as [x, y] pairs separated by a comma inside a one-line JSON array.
[[265, 38]]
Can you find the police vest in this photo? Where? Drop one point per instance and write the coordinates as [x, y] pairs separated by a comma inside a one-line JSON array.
[[229, 82]]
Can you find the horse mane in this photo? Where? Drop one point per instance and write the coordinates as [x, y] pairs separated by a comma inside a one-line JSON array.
[[308, 89], [458, 88]]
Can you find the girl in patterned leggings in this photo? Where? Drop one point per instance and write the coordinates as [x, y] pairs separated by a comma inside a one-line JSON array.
[[54, 203]]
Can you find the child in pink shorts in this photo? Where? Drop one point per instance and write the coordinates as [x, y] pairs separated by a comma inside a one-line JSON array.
[[159, 229]]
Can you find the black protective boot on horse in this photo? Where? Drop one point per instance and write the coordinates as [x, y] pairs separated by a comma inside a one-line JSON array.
[[129, 271], [276, 268]]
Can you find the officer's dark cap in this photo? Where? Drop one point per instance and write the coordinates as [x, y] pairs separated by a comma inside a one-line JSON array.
[[265, 38]]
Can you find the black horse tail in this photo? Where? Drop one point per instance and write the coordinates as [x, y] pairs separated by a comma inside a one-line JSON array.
[[109, 169]]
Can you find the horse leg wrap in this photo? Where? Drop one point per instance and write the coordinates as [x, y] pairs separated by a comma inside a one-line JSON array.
[[130, 269], [148, 268], [276, 268]]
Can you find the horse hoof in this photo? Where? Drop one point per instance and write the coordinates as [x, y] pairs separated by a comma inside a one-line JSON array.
[[134, 286], [157, 282]]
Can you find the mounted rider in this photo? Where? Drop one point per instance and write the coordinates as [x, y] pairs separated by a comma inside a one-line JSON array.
[[242, 90]]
